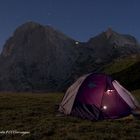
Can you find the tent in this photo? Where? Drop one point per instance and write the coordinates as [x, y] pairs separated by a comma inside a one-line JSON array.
[[96, 97]]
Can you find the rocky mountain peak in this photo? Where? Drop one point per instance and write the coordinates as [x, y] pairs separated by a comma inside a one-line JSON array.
[[109, 32], [28, 26], [34, 37], [114, 39]]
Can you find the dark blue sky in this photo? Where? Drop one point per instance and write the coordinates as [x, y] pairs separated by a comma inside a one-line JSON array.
[[79, 19]]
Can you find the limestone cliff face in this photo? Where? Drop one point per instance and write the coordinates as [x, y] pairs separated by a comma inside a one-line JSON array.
[[40, 58], [36, 58]]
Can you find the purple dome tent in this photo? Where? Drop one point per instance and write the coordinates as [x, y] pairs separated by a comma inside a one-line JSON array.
[[97, 96]]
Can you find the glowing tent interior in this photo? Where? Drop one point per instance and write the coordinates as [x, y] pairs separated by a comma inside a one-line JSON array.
[[97, 97]]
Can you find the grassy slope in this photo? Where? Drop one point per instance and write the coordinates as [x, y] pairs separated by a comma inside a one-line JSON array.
[[120, 64], [36, 113], [129, 77], [126, 71]]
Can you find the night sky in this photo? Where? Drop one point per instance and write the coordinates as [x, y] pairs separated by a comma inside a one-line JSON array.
[[79, 19]]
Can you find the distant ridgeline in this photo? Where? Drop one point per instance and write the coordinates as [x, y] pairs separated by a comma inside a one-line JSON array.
[[41, 58]]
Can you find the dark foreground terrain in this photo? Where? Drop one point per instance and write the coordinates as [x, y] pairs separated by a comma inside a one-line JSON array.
[[37, 114]]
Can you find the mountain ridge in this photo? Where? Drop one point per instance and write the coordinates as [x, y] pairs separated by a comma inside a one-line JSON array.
[[40, 58]]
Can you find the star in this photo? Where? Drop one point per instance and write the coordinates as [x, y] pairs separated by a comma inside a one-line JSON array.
[[49, 14]]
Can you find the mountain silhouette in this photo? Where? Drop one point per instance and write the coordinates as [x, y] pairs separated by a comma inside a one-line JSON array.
[[41, 58]]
